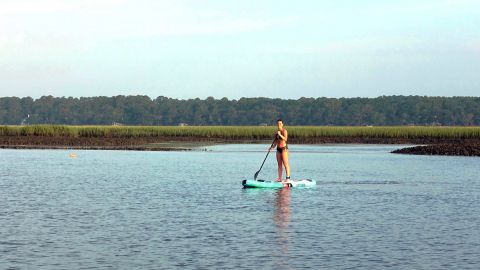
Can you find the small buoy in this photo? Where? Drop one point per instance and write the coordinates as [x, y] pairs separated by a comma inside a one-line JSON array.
[[72, 155]]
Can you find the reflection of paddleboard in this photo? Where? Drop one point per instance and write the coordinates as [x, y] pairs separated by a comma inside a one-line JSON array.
[[274, 184]]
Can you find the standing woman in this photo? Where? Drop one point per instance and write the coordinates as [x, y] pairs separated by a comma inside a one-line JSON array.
[[282, 150]]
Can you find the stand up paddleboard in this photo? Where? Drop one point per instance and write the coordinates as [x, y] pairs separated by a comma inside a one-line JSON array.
[[274, 184]]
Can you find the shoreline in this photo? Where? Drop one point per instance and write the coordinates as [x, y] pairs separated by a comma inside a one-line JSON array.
[[428, 146], [468, 150]]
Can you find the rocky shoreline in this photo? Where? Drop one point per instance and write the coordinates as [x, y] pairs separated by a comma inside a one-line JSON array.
[[450, 149]]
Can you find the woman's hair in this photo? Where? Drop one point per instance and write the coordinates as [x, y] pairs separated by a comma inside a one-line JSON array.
[[279, 120]]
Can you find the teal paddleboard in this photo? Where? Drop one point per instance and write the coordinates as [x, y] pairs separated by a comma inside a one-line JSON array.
[[274, 184]]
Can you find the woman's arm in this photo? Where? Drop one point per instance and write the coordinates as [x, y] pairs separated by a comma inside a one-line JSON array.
[[273, 145], [283, 136]]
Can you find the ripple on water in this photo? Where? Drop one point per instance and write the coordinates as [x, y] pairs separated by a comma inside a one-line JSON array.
[[163, 210]]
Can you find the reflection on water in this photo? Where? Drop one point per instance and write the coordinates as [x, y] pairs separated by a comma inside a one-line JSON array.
[[282, 213], [176, 210], [281, 218]]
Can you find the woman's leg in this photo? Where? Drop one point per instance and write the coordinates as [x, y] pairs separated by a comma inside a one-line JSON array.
[[285, 162], [279, 162]]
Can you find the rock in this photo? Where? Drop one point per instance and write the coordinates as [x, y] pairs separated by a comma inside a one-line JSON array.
[[451, 149]]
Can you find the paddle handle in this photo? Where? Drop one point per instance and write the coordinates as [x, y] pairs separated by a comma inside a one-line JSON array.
[[256, 174]]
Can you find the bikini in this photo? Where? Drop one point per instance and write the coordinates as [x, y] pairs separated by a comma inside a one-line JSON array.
[[281, 149]]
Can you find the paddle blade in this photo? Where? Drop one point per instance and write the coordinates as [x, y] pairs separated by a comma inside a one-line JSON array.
[[256, 174]]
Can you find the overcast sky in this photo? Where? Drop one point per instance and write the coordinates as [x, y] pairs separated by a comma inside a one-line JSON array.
[[285, 49]]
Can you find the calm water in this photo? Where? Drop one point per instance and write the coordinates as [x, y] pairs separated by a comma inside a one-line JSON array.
[[162, 210]]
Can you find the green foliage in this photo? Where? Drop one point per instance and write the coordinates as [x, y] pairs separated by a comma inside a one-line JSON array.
[[163, 111], [241, 132]]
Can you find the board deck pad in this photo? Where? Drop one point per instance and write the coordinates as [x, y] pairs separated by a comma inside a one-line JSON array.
[[250, 183]]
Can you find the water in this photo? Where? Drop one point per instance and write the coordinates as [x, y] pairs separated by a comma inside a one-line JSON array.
[[163, 210]]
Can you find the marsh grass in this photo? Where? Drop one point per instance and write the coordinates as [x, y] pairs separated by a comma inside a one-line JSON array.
[[242, 132]]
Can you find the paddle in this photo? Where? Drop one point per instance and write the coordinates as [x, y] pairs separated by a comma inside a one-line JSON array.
[[256, 174]]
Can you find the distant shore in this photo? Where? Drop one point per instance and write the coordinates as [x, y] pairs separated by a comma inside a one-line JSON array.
[[433, 146], [439, 140]]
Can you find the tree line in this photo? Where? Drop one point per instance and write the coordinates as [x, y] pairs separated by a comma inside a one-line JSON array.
[[142, 110]]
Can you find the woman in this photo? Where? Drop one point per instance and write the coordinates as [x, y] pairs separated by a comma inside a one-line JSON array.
[[282, 150]]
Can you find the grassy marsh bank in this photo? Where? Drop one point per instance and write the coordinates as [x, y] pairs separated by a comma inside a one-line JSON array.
[[242, 132], [187, 137]]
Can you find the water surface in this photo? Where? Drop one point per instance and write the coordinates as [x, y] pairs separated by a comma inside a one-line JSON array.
[[162, 210]]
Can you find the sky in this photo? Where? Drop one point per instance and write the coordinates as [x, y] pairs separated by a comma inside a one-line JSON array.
[[249, 48]]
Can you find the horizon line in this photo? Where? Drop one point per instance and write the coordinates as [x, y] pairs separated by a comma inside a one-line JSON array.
[[232, 99]]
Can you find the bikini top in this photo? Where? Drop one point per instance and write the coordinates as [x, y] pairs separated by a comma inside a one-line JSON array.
[[278, 138]]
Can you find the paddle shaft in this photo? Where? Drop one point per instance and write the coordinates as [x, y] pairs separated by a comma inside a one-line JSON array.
[[256, 174]]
